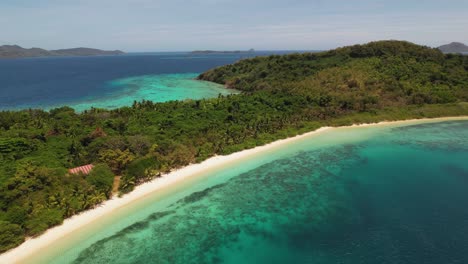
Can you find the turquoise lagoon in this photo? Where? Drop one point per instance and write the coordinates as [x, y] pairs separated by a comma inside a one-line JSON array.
[[157, 88], [380, 194]]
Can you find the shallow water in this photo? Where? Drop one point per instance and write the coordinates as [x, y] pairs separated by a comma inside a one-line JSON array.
[[156, 88], [360, 195]]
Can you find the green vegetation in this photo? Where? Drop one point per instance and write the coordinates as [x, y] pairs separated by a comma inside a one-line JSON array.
[[102, 178], [283, 96], [375, 75]]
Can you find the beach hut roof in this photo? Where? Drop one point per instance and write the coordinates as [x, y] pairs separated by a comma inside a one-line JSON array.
[[86, 169]]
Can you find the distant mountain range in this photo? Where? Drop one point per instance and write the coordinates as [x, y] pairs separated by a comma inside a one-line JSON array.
[[15, 51], [221, 52], [454, 47]]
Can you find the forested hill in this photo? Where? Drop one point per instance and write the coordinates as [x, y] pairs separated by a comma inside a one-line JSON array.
[[283, 96], [378, 74]]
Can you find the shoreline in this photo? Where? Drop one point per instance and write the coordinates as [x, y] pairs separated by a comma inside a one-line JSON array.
[[74, 224]]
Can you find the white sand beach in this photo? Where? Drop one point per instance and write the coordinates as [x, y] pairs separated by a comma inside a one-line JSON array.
[[26, 252]]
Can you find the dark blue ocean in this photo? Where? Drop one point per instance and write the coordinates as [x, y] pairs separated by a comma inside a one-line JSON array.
[[107, 81]]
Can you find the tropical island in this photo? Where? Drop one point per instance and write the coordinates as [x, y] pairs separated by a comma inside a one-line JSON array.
[[15, 51], [56, 164]]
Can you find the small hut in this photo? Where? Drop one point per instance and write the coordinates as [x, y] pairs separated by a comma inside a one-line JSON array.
[[86, 169]]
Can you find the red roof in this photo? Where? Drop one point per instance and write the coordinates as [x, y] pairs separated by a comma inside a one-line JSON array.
[[86, 169]]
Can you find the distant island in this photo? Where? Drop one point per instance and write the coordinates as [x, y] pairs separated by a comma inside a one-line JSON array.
[[454, 47], [15, 51], [222, 52]]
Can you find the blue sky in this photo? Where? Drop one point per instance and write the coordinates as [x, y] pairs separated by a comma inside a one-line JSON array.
[[176, 25]]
